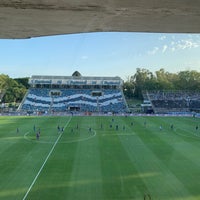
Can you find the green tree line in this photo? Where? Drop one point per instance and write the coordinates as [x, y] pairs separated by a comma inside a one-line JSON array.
[[144, 79], [12, 90]]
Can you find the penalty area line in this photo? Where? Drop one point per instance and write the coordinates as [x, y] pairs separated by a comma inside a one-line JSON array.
[[41, 168]]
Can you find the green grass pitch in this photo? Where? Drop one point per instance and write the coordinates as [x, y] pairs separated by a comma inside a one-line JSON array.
[[99, 158]]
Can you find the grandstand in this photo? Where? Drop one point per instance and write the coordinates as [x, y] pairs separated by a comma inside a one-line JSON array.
[[51, 94], [173, 101]]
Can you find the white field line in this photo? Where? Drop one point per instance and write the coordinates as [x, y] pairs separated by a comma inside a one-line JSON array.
[[188, 136], [44, 162], [25, 136], [65, 142], [117, 134]]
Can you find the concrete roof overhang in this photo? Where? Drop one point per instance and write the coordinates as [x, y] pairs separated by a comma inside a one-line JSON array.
[[34, 18]]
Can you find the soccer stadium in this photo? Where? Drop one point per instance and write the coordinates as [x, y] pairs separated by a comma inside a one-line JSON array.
[[75, 138], [87, 137]]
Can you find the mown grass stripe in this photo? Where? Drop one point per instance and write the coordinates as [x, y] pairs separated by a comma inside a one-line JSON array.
[[34, 180], [85, 180]]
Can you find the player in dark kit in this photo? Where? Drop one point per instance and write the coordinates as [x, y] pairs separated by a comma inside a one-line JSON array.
[[38, 135], [58, 127], [131, 123]]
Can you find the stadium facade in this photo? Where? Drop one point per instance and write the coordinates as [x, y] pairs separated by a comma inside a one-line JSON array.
[[74, 93]]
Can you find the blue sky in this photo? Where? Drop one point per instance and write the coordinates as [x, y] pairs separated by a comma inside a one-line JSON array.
[[99, 54]]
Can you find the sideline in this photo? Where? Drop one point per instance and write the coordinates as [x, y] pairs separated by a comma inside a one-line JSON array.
[[45, 162]]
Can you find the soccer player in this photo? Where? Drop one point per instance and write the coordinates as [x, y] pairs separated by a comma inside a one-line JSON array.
[[38, 135], [123, 127], [117, 127], [90, 129], [58, 127], [131, 123], [145, 123]]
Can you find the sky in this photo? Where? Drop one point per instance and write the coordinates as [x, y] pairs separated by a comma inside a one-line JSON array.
[[99, 54]]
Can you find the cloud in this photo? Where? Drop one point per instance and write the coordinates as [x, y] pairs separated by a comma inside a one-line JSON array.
[[188, 44], [184, 44], [154, 51], [175, 43], [164, 48], [163, 37], [173, 49], [84, 57]]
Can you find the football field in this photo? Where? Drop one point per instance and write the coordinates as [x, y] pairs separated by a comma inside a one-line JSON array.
[[99, 158]]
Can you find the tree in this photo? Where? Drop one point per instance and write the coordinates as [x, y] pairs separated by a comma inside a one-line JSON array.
[[13, 92], [128, 89], [143, 80], [23, 81], [3, 85], [164, 80], [189, 80]]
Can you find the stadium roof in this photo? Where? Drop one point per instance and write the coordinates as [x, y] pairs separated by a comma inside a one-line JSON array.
[[33, 18], [49, 77], [74, 80]]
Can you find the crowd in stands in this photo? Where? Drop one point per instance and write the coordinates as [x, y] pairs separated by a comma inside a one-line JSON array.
[[110, 100], [166, 101]]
